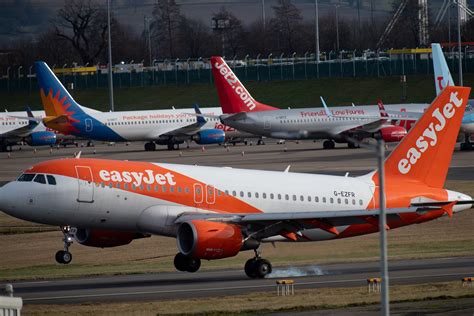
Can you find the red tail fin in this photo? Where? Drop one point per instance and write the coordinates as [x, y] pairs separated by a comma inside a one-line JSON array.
[[233, 96], [424, 155]]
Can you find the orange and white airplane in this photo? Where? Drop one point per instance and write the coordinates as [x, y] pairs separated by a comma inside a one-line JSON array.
[[217, 212]]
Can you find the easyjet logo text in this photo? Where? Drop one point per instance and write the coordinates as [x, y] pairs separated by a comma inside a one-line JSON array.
[[137, 178], [235, 85], [429, 138]]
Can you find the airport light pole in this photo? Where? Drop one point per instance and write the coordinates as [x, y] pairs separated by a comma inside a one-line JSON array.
[[459, 44], [385, 308], [110, 76], [316, 29]]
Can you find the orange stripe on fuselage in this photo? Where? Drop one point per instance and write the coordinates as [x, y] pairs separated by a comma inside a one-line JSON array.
[[111, 169]]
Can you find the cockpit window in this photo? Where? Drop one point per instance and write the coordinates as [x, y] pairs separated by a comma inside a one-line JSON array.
[[40, 179], [26, 177], [51, 179]]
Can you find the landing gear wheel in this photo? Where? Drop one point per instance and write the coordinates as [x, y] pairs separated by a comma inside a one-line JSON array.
[[352, 145], [150, 146], [262, 268], [186, 263], [249, 268], [329, 144], [63, 257]]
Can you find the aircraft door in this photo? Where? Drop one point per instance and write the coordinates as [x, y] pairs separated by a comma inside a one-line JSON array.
[[267, 124], [210, 194], [85, 183], [198, 193], [89, 125]]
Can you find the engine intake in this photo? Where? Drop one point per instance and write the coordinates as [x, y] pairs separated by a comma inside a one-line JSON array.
[[209, 240]]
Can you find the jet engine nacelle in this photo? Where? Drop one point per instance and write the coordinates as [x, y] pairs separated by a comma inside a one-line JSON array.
[[104, 238], [393, 133], [41, 139], [209, 240], [210, 136]]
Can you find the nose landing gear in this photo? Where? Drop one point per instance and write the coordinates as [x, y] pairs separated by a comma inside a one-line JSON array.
[[257, 268], [64, 256]]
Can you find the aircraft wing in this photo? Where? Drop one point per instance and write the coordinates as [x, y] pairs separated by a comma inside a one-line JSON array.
[[24, 130], [266, 225], [190, 129]]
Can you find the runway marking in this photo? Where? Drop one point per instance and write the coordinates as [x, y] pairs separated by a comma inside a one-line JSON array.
[[227, 288]]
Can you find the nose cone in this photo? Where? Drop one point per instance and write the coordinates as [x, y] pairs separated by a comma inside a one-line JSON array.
[[3, 198]]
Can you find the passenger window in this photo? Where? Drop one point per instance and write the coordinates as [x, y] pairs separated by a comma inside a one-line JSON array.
[[163, 189], [51, 179], [110, 185], [324, 199], [141, 187], [271, 196], [249, 194], [156, 188], [134, 186], [279, 196], [256, 195], [302, 198], [226, 192], [26, 177], [361, 202], [125, 186], [148, 187], [264, 195], [346, 201], [117, 185], [186, 189], [287, 197], [294, 197], [234, 193], [353, 201], [241, 193], [338, 200], [309, 198], [331, 200], [40, 179], [179, 190], [316, 199]]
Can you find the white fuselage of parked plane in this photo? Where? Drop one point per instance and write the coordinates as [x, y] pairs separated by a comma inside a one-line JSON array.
[[313, 123]]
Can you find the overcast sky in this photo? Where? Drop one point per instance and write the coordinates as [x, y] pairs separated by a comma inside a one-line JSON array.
[[26, 18]]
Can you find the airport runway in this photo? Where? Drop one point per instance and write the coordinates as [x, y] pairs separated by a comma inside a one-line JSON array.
[[176, 285], [306, 157]]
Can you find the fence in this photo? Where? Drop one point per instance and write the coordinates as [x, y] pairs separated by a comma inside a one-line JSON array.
[[187, 72]]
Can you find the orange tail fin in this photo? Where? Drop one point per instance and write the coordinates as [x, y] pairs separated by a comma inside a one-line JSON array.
[[424, 155], [233, 96]]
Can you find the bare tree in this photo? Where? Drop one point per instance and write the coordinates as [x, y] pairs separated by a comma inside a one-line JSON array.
[[84, 24], [194, 37], [232, 31], [286, 24], [165, 25]]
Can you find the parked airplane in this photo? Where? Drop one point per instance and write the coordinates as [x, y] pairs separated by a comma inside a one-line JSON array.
[[14, 130], [247, 114], [217, 212], [162, 127], [443, 78]]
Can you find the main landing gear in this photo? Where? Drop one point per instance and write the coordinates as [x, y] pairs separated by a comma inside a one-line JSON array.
[[467, 145], [186, 263], [64, 256], [150, 146], [257, 268], [329, 144]]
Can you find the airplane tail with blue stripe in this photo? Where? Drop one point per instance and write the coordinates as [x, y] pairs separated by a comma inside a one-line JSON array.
[[55, 98], [441, 70]]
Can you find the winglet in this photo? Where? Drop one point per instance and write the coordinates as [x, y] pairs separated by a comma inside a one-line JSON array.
[[326, 109], [448, 208], [383, 113], [287, 169], [78, 155], [200, 119], [441, 70]]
